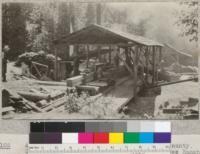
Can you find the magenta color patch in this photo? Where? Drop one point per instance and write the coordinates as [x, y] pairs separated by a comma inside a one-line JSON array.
[[85, 138]]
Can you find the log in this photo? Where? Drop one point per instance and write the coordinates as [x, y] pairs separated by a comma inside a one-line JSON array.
[[34, 97], [74, 81]]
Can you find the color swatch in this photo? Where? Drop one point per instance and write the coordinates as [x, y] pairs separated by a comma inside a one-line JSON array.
[[145, 132], [131, 137], [101, 138], [116, 138]]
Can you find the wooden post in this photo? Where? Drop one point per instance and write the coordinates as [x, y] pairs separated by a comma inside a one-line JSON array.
[[55, 64], [135, 67], [110, 48], [156, 64], [76, 62], [153, 72], [99, 52], [147, 64], [87, 63], [160, 54]]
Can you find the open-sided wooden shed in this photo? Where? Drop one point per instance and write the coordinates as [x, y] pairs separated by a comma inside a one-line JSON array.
[[141, 56]]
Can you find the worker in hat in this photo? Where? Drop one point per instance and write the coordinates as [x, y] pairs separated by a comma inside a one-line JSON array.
[[4, 62]]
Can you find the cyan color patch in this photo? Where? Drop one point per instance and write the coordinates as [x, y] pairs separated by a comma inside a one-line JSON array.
[[146, 137]]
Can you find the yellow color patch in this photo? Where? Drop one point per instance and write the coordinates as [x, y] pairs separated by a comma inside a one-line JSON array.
[[116, 138]]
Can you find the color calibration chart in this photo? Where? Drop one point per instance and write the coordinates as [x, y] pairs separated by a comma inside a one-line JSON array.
[[93, 137]]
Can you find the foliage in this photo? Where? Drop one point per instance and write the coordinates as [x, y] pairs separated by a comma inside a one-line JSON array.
[[75, 102], [40, 57], [41, 27], [188, 20], [90, 14], [14, 34]]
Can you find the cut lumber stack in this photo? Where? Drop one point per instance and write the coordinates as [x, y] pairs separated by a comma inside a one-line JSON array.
[[89, 77], [92, 90], [74, 81]]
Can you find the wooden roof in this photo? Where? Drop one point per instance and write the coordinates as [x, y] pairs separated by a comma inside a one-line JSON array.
[[96, 34], [177, 51]]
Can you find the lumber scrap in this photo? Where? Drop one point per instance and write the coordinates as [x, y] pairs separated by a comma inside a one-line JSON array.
[[7, 109], [89, 77], [55, 104], [50, 83], [75, 81], [45, 89], [33, 62], [32, 105], [172, 110], [191, 117], [34, 96], [37, 70], [42, 103], [35, 91], [57, 94], [98, 84]]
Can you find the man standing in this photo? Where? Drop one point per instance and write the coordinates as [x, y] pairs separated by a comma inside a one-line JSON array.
[[4, 62]]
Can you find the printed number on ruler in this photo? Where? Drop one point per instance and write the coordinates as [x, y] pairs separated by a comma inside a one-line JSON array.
[[98, 148]]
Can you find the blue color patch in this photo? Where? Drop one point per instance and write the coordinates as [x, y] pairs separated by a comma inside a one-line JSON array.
[[146, 137]]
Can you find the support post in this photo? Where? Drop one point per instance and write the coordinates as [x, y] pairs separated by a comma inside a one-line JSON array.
[[87, 63], [153, 71], [76, 62], [160, 54], [135, 67], [147, 64], [110, 48], [55, 64]]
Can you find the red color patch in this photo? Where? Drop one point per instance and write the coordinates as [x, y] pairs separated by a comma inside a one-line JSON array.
[[101, 138]]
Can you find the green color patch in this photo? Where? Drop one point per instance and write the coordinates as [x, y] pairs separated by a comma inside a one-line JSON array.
[[131, 137]]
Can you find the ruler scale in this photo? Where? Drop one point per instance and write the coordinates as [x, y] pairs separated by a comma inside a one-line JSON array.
[[98, 148]]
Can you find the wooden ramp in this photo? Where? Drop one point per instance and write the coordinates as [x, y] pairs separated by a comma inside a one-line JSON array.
[[120, 94]]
